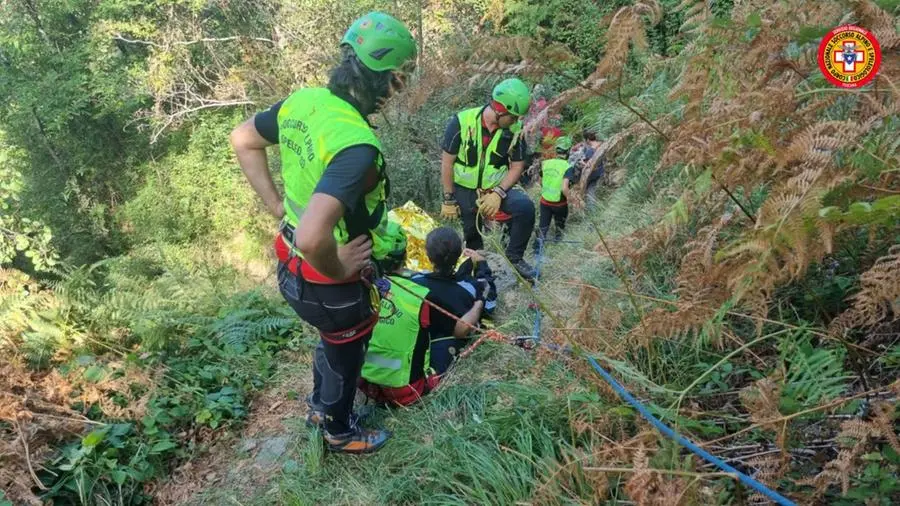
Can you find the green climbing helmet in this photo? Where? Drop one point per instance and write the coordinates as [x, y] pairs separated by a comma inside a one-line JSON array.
[[393, 246], [513, 94], [380, 41], [563, 144]]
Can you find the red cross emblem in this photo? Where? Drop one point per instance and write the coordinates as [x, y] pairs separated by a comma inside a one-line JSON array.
[[849, 56]]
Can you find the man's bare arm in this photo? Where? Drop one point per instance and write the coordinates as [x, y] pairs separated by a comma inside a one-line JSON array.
[[447, 171], [250, 148], [513, 175], [471, 318]]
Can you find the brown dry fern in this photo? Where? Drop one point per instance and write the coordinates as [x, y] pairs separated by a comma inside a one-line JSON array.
[[878, 21], [879, 297]]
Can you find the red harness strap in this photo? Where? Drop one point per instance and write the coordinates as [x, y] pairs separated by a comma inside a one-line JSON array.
[[297, 267], [352, 334], [501, 217], [400, 396], [561, 203]]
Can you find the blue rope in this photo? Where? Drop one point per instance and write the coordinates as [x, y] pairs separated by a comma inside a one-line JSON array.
[[539, 259], [712, 459]]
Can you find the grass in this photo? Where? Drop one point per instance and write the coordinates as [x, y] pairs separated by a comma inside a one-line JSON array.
[[448, 448], [493, 433]]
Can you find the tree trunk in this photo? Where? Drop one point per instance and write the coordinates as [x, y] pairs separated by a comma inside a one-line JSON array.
[[46, 139], [32, 11]]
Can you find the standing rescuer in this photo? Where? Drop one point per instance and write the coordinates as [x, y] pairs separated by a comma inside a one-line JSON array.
[[334, 211], [556, 177], [481, 162]]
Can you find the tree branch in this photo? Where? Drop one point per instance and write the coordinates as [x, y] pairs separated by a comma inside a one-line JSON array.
[[184, 112], [24, 439], [734, 199], [119, 37], [38, 25], [47, 143]]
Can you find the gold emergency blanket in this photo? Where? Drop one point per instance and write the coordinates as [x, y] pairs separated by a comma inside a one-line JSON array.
[[417, 224]]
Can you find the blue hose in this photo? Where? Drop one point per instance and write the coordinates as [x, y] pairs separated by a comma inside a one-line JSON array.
[[712, 459], [620, 390], [539, 259]]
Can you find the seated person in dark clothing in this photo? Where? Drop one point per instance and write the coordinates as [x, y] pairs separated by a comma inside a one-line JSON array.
[[413, 343], [456, 290]]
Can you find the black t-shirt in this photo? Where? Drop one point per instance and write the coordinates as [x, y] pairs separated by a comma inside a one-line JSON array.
[[456, 297], [266, 123], [505, 154], [348, 177]]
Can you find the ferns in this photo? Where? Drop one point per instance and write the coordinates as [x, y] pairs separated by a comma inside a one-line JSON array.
[[818, 143], [814, 374], [876, 19], [626, 31], [855, 434], [696, 14], [762, 400], [241, 327], [758, 132], [21, 299], [879, 298]]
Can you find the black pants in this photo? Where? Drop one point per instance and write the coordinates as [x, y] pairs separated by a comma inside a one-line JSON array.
[[516, 204], [557, 214], [336, 367]]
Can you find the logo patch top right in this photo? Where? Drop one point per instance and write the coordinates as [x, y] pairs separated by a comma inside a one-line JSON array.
[[849, 56]]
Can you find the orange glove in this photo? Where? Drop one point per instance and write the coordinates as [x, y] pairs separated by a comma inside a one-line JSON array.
[[449, 209], [489, 203]]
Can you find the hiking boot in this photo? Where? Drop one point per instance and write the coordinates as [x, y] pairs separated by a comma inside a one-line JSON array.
[[357, 440], [558, 236], [524, 269], [316, 418]]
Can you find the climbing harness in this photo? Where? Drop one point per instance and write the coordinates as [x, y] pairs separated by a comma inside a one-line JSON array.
[[288, 254], [351, 334]]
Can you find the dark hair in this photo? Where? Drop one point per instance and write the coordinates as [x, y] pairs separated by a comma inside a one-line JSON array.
[[443, 247], [588, 135], [357, 84]]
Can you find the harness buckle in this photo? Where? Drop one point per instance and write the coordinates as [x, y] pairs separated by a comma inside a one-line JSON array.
[[369, 277]]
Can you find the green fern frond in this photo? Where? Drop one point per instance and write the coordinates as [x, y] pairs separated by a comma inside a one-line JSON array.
[[814, 374]]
